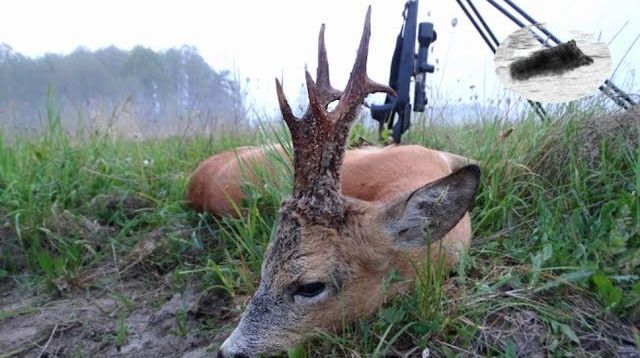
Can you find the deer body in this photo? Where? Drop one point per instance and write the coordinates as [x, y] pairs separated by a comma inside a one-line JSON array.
[[352, 218], [371, 174]]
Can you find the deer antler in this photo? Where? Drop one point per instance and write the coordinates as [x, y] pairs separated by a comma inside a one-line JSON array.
[[320, 136], [325, 93]]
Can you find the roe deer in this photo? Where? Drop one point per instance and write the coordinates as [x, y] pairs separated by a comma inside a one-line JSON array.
[[331, 252]]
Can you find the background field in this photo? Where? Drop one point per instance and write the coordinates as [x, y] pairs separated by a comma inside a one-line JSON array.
[[99, 255]]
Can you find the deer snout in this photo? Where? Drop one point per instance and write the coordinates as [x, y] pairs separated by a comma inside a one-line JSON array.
[[234, 347]]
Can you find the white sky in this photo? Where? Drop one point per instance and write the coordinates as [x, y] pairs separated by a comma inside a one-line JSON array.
[[264, 39]]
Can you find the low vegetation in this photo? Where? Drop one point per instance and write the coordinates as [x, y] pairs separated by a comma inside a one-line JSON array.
[[554, 266]]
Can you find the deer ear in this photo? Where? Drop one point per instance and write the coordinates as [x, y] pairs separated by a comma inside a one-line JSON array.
[[435, 208]]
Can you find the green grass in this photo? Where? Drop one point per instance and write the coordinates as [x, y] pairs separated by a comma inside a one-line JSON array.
[[556, 248]]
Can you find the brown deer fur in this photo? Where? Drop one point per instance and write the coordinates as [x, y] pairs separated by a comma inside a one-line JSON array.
[[372, 174]]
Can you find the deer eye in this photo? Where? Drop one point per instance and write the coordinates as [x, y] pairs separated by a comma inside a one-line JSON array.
[[309, 289]]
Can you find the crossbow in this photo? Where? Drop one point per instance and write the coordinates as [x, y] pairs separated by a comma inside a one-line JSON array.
[[406, 64]]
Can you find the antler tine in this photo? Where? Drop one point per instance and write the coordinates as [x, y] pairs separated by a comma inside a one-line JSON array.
[[359, 85], [287, 114], [326, 93], [315, 102]]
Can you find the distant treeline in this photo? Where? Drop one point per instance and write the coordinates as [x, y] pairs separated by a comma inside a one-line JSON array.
[[158, 86]]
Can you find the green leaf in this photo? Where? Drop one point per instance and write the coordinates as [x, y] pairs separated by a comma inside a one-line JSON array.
[[611, 295], [569, 333], [297, 352], [423, 328], [572, 277], [392, 315], [601, 281], [510, 351], [386, 135]]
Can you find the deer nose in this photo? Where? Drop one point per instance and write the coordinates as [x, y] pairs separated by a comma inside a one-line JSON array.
[[232, 355]]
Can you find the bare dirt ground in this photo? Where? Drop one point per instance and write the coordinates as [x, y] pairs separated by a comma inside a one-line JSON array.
[[137, 319]]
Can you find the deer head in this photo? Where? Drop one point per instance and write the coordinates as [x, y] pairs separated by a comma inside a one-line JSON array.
[[329, 255]]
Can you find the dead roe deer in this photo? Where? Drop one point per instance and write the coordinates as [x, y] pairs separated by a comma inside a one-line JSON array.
[[346, 226]]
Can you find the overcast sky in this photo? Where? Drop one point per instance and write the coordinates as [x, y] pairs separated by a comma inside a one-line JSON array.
[[260, 39]]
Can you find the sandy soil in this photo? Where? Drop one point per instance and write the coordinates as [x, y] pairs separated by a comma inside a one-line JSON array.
[[86, 323]]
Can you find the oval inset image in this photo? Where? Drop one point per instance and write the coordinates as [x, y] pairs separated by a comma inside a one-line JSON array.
[[561, 73]]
